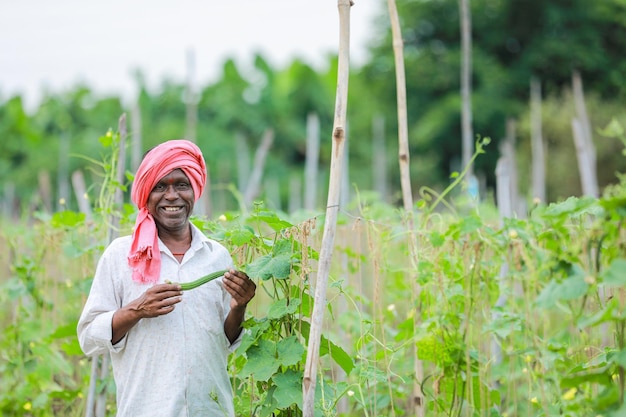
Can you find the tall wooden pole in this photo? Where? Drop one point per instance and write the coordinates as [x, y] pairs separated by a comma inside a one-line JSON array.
[[379, 157], [407, 195], [332, 210], [253, 185], [96, 401], [312, 160], [583, 140], [466, 86], [538, 165]]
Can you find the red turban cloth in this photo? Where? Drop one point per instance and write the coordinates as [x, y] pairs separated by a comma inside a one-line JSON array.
[[144, 256]]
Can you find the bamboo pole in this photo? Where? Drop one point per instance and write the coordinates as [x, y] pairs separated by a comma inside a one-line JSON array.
[[536, 143], [45, 190], [80, 190], [254, 182], [583, 140], [63, 174], [516, 202], [243, 161], [96, 401], [295, 194], [332, 209], [466, 86], [379, 157], [312, 160], [418, 404], [135, 128]]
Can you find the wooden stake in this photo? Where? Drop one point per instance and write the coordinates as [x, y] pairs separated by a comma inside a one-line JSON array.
[[407, 195], [254, 182], [583, 140], [466, 86], [332, 209], [536, 143], [312, 160], [100, 363], [80, 190], [379, 157]]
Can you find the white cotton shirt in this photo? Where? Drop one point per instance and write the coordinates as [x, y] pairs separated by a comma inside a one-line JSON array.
[[173, 365]]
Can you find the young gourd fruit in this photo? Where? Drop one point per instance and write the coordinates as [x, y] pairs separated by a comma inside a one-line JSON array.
[[185, 286]]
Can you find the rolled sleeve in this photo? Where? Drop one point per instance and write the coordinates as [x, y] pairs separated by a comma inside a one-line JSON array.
[[95, 336]]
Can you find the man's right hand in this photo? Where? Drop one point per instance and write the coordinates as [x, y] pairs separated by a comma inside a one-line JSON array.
[[158, 300]]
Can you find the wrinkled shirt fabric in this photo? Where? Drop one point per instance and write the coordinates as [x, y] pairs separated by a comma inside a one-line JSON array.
[[173, 365]]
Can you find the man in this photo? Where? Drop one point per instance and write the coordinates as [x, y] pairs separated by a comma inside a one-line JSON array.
[[169, 350]]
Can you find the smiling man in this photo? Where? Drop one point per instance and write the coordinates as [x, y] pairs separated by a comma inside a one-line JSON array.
[[169, 351]]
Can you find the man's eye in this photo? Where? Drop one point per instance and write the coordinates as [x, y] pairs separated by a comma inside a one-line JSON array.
[[182, 186], [159, 187]]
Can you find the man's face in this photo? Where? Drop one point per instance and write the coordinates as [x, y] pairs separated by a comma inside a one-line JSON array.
[[171, 201]]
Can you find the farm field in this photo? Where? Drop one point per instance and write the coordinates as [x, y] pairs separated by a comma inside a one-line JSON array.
[[470, 257], [505, 317]]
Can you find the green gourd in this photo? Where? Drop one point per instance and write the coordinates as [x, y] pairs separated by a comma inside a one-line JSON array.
[[193, 284]]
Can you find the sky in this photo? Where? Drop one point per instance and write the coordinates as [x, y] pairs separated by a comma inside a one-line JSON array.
[[54, 45]]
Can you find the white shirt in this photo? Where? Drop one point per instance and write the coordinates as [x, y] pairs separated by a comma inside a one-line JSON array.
[[173, 365]]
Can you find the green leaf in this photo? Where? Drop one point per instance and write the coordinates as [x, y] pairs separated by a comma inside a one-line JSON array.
[[619, 358], [610, 312], [240, 237], [339, 355], [288, 389], [613, 130], [436, 239], [68, 218], [615, 274], [595, 375], [272, 220], [470, 224], [67, 330], [72, 348], [570, 288], [262, 361], [280, 308], [267, 267], [290, 351]]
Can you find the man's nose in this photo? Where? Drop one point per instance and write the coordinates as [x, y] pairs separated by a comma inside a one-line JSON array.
[[171, 192]]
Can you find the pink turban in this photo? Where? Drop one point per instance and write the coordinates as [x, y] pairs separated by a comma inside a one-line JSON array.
[[144, 256]]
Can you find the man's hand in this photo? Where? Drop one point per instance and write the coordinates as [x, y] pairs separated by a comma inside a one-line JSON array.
[[242, 289], [156, 301]]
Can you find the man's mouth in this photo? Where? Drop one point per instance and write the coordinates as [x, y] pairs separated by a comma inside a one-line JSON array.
[[172, 209]]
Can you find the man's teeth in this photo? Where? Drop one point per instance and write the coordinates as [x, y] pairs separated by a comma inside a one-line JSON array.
[[172, 208]]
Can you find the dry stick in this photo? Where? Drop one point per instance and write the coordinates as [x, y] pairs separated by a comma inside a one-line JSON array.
[[332, 208], [583, 139], [466, 86], [243, 160], [407, 195], [312, 160], [379, 317], [63, 173], [45, 190], [536, 143], [254, 182], [135, 139], [80, 190], [103, 372], [295, 194], [516, 201], [379, 157]]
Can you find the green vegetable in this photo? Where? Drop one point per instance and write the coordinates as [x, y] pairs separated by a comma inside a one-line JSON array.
[[193, 284]]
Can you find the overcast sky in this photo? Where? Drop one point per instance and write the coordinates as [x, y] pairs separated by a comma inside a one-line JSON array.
[[55, 44]]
